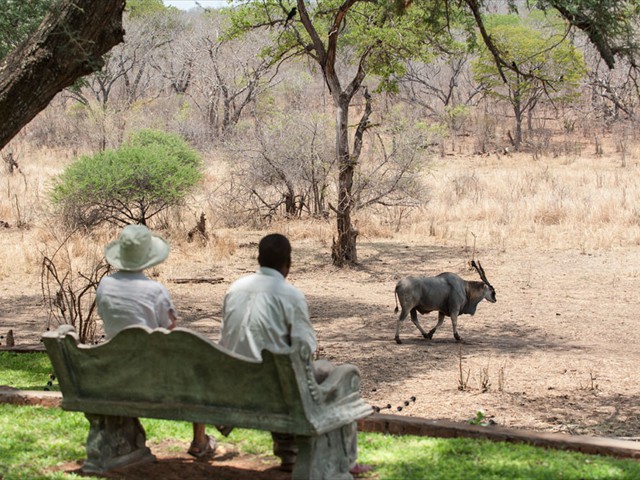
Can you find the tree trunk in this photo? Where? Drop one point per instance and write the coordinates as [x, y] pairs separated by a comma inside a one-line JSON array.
[[518, 133], [69, 44], [343, 250]]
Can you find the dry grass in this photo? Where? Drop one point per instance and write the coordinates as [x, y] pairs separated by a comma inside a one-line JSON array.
[[584, 204], [513, 203]]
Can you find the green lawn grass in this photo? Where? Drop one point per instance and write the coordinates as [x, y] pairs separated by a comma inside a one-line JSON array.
[[26, 371], [34, 439]]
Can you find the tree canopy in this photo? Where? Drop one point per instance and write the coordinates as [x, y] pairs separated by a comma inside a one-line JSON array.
[[20, 19], [149, 173], [536, 45], [355, 39], [611, 26]]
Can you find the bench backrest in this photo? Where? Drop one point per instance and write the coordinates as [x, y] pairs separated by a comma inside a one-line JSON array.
[[181, 375]]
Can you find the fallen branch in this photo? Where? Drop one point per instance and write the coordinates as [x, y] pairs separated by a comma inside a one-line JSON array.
[[197, 280]]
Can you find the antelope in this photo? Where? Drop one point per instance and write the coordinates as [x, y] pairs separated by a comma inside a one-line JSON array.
[[447, 293]]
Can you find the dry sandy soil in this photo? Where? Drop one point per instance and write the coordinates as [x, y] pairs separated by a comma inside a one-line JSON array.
[[557, 352]]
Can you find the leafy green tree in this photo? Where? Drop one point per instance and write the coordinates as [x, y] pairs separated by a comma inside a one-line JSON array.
[[148, 174], [546, 64], [140, 8], [19, 19], [174, 145]]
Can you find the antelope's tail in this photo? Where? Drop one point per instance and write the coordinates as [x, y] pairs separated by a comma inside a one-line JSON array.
[[395, 294]]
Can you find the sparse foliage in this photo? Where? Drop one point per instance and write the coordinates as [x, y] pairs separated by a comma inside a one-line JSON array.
[[378, 39], [128, 76], [231, 75], [463, 377], [287, 172], [290, 170], [390, 173], [70, 297], [484, 380]]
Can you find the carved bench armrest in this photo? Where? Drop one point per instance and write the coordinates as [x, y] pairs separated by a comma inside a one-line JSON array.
[[341, 382]]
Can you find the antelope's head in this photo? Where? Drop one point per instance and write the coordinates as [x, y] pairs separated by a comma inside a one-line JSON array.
[[489, 291]]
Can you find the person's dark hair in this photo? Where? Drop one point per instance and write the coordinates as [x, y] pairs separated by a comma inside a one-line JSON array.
[[274, 251]]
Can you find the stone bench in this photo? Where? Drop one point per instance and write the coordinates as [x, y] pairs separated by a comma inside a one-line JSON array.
[[181, 375]]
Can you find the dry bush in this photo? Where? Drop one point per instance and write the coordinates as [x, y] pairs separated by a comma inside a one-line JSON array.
[[17, 257], [373, 226], [71, 266], [223, 246], [308, 228], [549, 215], [220, 244]]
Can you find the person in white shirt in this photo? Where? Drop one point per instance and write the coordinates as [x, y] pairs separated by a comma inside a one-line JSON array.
[[128, 297], [263, 311]]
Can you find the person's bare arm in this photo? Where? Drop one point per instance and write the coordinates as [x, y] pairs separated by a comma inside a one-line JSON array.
[[173, 318]]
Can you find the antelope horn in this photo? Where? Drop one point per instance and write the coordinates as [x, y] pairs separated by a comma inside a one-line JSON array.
[[480, 271]]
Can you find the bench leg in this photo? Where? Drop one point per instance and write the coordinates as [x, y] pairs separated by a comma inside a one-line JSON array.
[[115, 442], [328, 456]]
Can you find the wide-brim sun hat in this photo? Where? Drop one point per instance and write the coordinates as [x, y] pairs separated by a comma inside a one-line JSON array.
[[136, 249]]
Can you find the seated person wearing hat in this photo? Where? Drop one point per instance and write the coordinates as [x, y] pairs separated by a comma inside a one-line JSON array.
[[128, 297]]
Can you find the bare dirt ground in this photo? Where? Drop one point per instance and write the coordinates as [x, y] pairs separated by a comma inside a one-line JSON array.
[[558, 352]]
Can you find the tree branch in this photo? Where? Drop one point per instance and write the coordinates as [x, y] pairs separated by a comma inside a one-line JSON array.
[[69, 44]]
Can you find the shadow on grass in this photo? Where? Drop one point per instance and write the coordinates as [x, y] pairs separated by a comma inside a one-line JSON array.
[[182, 468]]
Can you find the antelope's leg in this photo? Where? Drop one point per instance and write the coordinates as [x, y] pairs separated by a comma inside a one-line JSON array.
[[433, 330], [414, 319], [403, 315], [454, 324]]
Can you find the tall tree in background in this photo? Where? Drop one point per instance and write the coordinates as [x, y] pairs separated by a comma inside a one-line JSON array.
[[128, 75], [536, 45], [349, 41], [379, 36], [68, 44]]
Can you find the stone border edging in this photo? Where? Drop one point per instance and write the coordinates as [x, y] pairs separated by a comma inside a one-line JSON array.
[[30, 397], [397, 425], [24, 348]]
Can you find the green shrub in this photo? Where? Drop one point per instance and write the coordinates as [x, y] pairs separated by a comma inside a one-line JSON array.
[[173, 144], [148, 174]]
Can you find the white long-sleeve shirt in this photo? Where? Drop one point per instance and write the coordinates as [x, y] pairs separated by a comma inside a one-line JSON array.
[[130, 298], [263, 312]]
